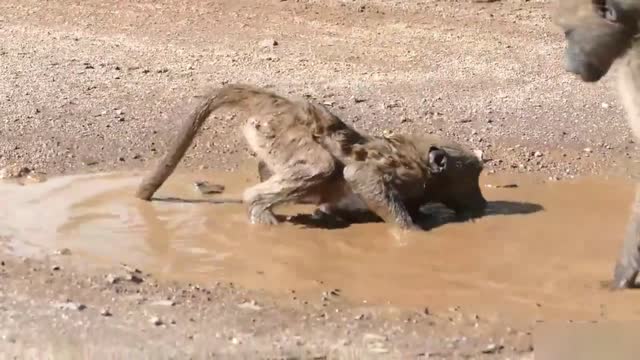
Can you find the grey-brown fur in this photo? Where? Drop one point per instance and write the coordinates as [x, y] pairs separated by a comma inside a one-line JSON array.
[[599, 34], [457, 187], [312, 156]]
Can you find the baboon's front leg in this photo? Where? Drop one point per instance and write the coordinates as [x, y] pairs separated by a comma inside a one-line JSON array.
[[375, 189], [628, 264]]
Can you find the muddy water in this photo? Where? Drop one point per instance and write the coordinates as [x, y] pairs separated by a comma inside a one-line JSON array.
[[541, 253]]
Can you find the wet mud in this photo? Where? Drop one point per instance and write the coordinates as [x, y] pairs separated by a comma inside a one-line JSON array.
[[543, 251]]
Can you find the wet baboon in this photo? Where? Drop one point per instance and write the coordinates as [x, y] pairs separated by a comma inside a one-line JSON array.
[[313, 156], [597, 33], [454, 187]]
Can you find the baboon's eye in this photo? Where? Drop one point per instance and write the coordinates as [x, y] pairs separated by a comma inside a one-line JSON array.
[[605, 10]]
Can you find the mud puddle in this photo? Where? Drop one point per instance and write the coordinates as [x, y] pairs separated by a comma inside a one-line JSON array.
[[542, 252]]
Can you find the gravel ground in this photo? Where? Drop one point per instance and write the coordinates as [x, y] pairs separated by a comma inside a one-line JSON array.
[[99, 85]]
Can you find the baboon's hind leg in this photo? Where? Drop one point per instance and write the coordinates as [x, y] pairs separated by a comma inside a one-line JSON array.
[[300, 181], [628, 264]]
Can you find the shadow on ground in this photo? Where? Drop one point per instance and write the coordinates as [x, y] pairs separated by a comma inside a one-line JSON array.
[[432, 215]]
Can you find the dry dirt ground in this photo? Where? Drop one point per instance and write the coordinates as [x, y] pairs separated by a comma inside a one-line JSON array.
[[94, 85]]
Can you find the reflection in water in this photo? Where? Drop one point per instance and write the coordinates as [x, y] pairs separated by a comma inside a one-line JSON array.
[[540, 246]]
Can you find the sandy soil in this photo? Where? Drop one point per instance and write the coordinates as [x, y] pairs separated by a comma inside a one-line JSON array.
[[91, 86]]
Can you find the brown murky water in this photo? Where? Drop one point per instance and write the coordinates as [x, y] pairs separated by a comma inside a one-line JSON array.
[[542, 252]]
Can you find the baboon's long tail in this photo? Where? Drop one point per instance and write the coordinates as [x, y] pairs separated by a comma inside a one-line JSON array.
[[230, 95]]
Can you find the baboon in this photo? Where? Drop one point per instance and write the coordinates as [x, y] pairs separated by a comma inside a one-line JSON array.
[[453, 188], [599, 33], [313, 156]]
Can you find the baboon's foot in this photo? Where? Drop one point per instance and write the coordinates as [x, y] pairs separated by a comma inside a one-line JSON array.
[[261, 216], [624, 276]]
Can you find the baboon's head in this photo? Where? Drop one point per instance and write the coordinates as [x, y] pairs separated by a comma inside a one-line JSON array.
[[455, 180], [597, 32]]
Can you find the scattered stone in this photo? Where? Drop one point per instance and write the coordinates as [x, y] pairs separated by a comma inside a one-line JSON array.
[[89, 162], [154, 320], [250, 305], [105, 313], [10, 338], [236, 341], [36, 177], [507, 186], [112, 279], [71, 306], [378, 349], [537, 154], [479, 154], [359, 317], [133, 274], [14, 172], [370, 337], [205, 188], [55, 268], [269, 43], [492, 349], [588, 150], [139, 298], [375, 342], [167, 303], [605, 105]]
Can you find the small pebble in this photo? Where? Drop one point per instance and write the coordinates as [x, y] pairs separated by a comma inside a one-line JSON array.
[[167, 303], [112, 279], [479, 154], [492, 349], [507, 186], [63, 251], [269, 43], [72, 306], [250, 305], [206, 188]]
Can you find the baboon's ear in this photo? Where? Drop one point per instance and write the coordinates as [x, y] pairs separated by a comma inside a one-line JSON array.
[[437, 160]]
